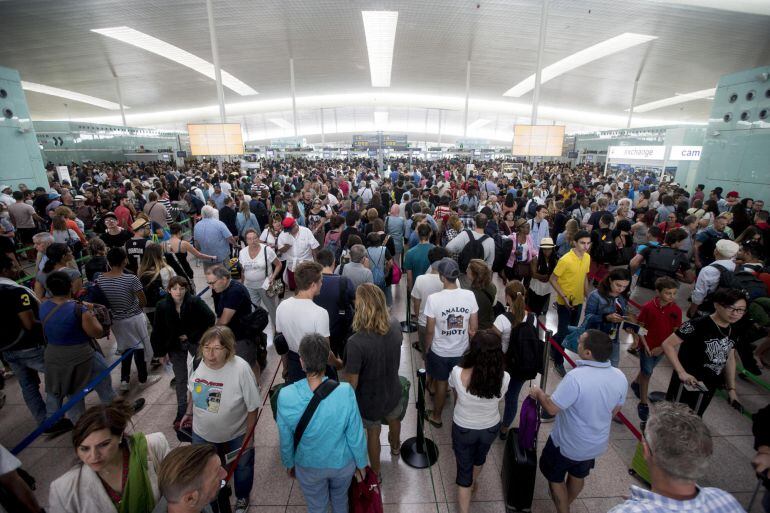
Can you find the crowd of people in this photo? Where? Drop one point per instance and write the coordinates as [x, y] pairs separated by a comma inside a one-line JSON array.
[[317, 250]]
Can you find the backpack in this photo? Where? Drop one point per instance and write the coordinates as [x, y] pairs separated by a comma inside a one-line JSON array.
[[473, 249], [195, 203], [708, 246], [524, 358], [378, 272], [531, 208], [738, 279], [747, 280], [604, 249], [661, 261], [503, 248], [259, 209], [153, 290], [332, 243]]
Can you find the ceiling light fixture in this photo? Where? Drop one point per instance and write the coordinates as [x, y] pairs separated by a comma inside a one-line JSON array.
[[174, 53], [70, 95], [610, 46], [479, 123], [703, 94], [380, 31], [281, 123]]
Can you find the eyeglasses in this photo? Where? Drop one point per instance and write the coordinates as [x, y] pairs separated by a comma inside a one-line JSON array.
[[735, 310], [213, 349], [213, 282]]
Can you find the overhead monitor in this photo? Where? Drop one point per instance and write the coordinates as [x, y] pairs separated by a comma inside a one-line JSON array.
[[538, 140], [216, 139]]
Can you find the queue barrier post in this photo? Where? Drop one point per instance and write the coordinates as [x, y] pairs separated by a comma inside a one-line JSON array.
[[546, 360], [418, 451], [408, 326]]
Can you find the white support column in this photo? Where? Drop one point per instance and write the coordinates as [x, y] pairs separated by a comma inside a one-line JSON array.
[[538, 71], [636, 84], [439, 126], [323, 135], [467, 94], [293, 98], [120, 100], [215, 56]]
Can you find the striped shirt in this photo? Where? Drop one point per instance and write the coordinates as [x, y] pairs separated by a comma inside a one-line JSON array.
[[708, 500], [121, 293]]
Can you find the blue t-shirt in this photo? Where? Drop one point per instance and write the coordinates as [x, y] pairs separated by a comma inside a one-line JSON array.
[[63, 328], [416, 259], [212, 236], [586, 397]]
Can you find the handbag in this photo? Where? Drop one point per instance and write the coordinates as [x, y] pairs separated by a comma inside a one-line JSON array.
[[396, 273], [366, 496], [276, 288], [256, 321]]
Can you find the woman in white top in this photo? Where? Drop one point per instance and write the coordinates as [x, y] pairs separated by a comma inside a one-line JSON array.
[[269, 238], [478, 383], [261, 268]]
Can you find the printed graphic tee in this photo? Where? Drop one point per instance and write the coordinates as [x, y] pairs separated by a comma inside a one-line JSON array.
[[222, 398], [451, 309], [705, 349]]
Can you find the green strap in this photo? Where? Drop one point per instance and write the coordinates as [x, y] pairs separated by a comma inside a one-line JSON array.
[[137, 494], [753, 377]]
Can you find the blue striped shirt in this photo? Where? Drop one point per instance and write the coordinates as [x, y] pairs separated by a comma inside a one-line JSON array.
[[708, 500]]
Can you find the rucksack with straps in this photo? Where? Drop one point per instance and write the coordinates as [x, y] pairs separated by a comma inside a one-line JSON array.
[[503, 248], [603, 251], [524, 358], [741, 279], [473, 249], [661, 261]]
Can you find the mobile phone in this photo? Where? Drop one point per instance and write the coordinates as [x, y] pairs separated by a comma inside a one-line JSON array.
[[697, 387]]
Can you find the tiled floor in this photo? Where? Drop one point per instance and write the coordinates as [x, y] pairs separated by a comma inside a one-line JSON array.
[[408, 490]]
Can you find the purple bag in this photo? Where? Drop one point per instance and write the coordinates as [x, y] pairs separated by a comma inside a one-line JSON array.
[[529, 424]]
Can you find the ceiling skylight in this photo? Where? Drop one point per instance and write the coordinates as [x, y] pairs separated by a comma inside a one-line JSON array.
[[174, 53], [281, 123], [70, 95], [610, 46], [380, 30], [675, 100]]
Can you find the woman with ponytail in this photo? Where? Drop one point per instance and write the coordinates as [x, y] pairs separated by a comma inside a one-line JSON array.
[[506, 325]]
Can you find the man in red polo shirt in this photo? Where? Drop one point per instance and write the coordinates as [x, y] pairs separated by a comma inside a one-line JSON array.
[[660, 316]]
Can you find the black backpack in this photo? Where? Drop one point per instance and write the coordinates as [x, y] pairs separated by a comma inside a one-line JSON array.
[[740, 279], [660, 261], [603, 249], [473, 249], [503, 248], [747, 280], [524, 358]]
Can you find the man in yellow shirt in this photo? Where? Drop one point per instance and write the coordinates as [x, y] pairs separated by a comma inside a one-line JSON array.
[[569, 280]]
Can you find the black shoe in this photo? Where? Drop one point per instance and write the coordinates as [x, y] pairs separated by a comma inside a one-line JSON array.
[[643, 410], [155, 363], [138, 405], [503, 435], [61, 426], [416, 347], [172, 383]]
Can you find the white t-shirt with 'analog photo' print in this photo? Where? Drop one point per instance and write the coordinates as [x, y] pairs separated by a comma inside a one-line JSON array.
[[451, 309]]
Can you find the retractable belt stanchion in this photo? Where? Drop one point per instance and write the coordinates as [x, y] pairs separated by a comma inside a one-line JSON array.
[[420, 452], [546, 360], [408, 326]]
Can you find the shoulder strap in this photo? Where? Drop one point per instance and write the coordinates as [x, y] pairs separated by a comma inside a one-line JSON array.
[[53, 311], [489, 296], [343, 288], [319, 394]]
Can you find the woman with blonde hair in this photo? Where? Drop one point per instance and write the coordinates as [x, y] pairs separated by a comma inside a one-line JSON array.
[[372, 358], [480, 277], [506, 325], [154, 273], [222, 403]]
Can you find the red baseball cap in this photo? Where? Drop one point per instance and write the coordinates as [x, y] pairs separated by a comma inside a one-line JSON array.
[[288, 222], [733, 194]]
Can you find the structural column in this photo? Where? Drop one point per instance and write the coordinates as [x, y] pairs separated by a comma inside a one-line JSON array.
[[215, 55], [293, 98], [538, 71], [636, 84], [467, 94], [120, 100]]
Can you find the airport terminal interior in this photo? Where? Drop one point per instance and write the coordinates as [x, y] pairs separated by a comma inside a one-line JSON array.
[[526, 241]]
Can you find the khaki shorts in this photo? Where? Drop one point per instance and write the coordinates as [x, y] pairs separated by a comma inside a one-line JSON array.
[[393, 415]]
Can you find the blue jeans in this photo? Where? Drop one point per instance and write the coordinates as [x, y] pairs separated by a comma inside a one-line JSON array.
[[104, 389], [243, 477], [26, 364], [511, 402], [322, 485], [567, 317]]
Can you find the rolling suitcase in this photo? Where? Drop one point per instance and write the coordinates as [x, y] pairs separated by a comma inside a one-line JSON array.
[[639, 468], [518, 473]]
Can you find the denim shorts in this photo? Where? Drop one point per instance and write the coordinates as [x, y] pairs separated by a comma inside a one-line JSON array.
[[647, 363], [555, 466], [439, 367], [471, 447]]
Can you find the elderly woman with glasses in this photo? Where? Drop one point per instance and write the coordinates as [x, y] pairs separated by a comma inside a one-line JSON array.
[[706, 351], [222, 403]]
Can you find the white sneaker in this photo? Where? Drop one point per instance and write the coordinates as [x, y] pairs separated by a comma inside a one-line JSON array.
[[151, 380], [241, 505], [124, 386]]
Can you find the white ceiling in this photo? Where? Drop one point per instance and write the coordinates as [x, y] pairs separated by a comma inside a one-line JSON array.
[[51, 43]]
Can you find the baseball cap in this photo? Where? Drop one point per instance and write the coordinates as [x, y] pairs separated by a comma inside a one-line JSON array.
[[727, 248], [448, 268], [4, 187], [79, 197], [110, 214], [546, 242], [288, 222], [733, 194]]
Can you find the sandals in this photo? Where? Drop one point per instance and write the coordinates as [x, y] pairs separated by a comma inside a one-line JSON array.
[[431, 421]]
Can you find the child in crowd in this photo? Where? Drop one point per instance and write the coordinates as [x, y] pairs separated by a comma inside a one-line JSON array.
[[660, 316]]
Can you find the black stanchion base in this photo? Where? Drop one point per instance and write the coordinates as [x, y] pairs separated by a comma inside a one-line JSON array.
[[656, 397], [408, 328], [415, 459]]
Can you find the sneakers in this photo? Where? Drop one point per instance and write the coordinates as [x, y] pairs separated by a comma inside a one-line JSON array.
[[559, 369], [643, 410], [172, 384], [241, 505], [124, 386], [138, 405], [155, 363], [636, 390], [59, 428], [151, 380]]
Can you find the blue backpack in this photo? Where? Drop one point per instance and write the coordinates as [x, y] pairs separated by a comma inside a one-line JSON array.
[[378, 266]]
